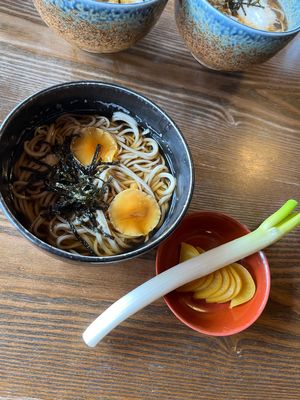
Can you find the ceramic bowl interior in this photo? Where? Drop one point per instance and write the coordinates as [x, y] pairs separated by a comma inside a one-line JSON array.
[[100, 98], [292, 13], [209, 230]]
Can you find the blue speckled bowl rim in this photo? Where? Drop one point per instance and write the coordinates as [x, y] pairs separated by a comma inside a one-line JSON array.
[[249, 28], [96, 260], [138, 4]]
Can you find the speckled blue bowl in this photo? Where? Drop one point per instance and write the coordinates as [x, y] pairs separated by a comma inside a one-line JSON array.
[[219, 42], [100, 27]]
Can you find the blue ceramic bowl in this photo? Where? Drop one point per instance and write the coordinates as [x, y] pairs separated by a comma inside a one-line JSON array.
[[219, 42], [101, 98], [100, 27]]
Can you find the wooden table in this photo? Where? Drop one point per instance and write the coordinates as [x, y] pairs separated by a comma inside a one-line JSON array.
[[244, 133]]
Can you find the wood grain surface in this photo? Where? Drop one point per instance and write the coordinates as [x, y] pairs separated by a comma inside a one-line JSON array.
[[244, 133]]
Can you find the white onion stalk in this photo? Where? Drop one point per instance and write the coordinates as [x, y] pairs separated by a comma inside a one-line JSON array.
[[271, 230]]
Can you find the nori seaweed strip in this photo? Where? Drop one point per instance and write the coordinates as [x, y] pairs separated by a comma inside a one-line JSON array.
[[92, 217], [94, 223], [108, 163], [94, 162], [235, 5], [73, 183], [106, 234], [81, 240]]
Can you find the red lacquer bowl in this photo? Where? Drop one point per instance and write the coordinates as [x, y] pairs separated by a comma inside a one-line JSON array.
[[208, 230]]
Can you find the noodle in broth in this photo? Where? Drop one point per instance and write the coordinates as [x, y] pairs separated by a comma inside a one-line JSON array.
[[139, 165], [266, 15]]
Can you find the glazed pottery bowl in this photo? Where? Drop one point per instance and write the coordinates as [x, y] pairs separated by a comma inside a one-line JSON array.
[[219, 42], [104, 99], [100, 27], [208, 230]]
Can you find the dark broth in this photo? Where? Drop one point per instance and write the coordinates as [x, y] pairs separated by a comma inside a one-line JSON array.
[[265, 15]]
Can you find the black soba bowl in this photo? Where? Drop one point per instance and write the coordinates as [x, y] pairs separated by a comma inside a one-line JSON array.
[[103, 98]]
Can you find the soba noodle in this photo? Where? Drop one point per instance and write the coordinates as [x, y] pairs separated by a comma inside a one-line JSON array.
[[140, 165]]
